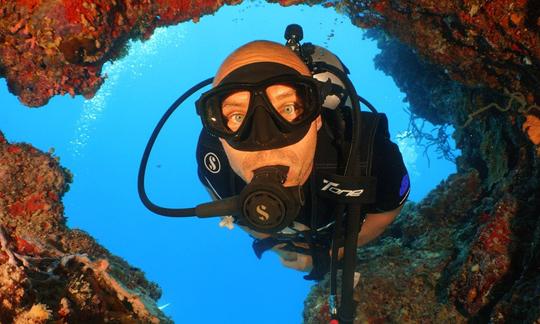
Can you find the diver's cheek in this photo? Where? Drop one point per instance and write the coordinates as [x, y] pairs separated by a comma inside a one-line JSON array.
[[294, 176], [291, 180], [304, 173], [248, 176]]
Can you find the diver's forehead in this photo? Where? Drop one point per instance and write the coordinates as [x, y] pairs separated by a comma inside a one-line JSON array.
[[280, 91], [237, 97]]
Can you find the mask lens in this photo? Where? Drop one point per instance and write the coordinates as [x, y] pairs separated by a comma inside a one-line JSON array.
[[213, 118], [292, 101], [234, 107], [288, 100]]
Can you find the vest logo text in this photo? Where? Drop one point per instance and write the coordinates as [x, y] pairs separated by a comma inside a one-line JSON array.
[[333, 188]]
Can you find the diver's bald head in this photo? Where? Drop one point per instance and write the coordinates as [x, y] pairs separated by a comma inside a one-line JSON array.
[[260, 51]]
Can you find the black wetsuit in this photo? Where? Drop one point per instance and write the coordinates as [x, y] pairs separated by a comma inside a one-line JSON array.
[[387, 166], [392, 178]]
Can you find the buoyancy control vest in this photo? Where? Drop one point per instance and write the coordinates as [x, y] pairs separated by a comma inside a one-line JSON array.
[[345, 174], [376, 151]]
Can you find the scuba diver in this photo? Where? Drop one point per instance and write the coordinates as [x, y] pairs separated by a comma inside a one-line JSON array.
[[286, 154], [251, 137]]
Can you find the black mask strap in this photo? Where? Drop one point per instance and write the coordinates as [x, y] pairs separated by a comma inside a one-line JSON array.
[[257, 72]]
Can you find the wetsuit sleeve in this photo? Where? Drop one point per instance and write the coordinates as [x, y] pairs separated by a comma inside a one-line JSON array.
[[393, 184]]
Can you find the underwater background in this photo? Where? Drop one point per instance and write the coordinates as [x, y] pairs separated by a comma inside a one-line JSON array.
[[208, 274]]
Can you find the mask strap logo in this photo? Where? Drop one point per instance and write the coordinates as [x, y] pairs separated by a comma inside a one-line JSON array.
[[212, 163]]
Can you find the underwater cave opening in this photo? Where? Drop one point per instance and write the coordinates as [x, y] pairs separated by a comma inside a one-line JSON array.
[[202, 269]]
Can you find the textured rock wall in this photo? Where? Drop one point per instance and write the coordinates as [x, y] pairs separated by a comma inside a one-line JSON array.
[[52, 47], [462, 254], [468, 252], [49, 272], [493, 44]]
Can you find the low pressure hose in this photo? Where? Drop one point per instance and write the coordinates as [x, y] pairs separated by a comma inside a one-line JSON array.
[[172, 212]]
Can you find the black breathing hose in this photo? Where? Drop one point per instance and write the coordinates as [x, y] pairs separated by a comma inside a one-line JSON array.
[[354, 211], [354, 215], [172, 212], [367, 103]]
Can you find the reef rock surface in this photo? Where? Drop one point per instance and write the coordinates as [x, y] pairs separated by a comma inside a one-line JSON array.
[[49, 273], [51, 47], [468, 252]]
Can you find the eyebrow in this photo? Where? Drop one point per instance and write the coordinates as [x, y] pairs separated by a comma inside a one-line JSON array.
[[233, 104], [289, 93], [227, 107]]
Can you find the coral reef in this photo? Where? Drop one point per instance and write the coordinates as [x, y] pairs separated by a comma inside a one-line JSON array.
[[456, 256], [50, 47], [49, 273], [493, 44], [468, 252], [57, 47]]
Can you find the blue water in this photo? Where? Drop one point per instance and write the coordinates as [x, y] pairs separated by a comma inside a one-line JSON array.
[[208, 274]]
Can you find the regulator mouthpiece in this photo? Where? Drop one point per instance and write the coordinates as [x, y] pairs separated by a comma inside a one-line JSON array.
[[268, 206]]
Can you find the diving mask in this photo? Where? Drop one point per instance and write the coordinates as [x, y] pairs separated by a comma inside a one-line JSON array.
[[262, 106]]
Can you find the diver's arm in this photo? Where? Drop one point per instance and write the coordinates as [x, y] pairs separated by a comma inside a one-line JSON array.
[[375, 224], [293, 260], [285, 256], [373, 227]]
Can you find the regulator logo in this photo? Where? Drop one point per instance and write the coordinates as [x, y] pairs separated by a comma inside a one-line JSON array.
[[263, 215], [211, 162]]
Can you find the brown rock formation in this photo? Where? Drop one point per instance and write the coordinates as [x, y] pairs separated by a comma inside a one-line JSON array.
[[494, 44], [468, 252], [50, 47], [49, 272], [56, 47]]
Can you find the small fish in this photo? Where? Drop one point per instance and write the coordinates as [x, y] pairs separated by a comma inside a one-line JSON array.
[[163, 306]]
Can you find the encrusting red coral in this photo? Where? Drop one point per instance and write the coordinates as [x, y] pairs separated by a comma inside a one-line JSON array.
[[491, 44], [25, 247], [41, 259], [53, 47], [57, 47], [489, 258], [532, 127]]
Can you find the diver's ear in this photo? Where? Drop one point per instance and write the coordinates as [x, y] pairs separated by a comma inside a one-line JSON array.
[[318, 122]]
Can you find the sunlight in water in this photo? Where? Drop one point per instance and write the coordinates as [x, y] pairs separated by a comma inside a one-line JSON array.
[[408, 146], [140, 58]]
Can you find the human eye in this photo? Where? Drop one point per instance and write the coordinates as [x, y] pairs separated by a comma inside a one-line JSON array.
[[236, 117], [235, 120], [289, 108], [290, 111]]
